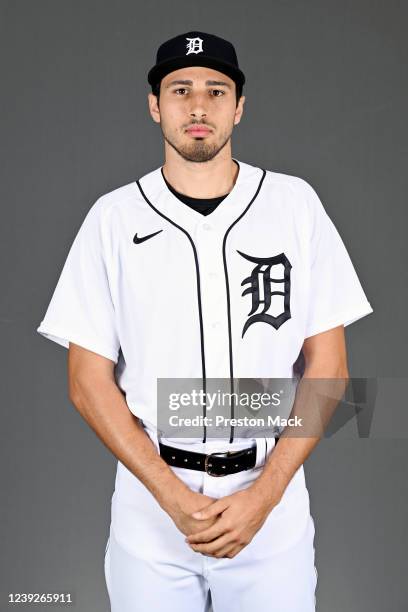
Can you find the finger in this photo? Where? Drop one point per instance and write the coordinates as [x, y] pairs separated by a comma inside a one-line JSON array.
[[214, 546], [223, 552], [212, 510], [234, 551], [207, 535]]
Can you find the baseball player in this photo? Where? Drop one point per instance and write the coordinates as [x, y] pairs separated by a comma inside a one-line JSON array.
[[207, 267]]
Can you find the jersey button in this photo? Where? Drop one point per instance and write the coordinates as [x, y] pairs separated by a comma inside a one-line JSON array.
[[207, 226], [215, 324], [213, 274]]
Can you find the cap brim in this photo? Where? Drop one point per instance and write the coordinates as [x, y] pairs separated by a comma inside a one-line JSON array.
[[159, 71]]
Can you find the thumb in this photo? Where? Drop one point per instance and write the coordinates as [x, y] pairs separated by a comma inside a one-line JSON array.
[[213, 509]]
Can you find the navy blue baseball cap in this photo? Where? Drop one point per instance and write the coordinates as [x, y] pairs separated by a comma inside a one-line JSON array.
[[196, 49]]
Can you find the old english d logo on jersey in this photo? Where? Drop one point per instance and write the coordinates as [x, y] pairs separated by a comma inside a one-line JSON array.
[[194, 45], [262, 291]]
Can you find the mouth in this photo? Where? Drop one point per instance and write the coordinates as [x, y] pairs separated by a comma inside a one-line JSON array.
[[198, 131]]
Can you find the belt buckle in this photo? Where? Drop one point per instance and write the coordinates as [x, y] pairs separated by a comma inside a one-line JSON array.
[[218, 454]]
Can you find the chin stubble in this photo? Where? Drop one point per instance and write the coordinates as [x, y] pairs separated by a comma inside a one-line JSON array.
[[199, 151]]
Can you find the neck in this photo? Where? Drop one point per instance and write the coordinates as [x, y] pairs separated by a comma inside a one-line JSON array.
[[201, 180]]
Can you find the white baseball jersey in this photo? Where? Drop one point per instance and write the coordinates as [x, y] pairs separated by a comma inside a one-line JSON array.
[[163, 291]]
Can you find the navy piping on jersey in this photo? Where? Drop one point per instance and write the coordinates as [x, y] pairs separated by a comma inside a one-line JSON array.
[[229, 301], [198, 297]]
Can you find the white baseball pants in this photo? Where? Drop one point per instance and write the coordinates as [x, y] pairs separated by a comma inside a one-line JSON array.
[[149, 566]]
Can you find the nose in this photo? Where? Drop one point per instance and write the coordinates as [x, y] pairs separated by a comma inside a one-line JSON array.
[[198, 106]]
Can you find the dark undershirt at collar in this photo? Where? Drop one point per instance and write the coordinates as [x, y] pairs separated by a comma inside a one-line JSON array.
[[205, 206]]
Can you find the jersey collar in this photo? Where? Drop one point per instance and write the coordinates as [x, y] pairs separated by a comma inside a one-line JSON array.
[[155, 191]]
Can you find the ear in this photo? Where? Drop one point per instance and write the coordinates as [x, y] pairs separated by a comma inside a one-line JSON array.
[[239, 110], [153, 107]]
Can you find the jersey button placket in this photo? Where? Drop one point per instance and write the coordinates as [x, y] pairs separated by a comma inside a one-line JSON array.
[[214, 304]]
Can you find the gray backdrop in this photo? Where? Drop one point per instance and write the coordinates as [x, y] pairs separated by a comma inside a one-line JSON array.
[[326, 100]]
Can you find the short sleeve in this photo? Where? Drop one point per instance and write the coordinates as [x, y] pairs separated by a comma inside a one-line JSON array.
[[336, 296], [81, 309]]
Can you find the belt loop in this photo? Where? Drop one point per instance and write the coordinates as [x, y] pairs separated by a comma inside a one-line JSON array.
[[270, 445], [260, 452], [157, 440]]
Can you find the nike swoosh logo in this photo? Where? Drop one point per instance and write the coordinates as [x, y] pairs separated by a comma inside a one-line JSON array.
[[138, 240]]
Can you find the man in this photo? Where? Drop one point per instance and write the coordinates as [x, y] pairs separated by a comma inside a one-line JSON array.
[[163, 281]]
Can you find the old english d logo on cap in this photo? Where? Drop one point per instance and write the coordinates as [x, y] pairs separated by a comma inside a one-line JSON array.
[[194, 45]]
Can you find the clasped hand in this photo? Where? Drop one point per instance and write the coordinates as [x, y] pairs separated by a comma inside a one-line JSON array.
[[238, 518]]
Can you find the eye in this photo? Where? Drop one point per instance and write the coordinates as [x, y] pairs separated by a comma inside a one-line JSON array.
[[180, 89], [220, 91]]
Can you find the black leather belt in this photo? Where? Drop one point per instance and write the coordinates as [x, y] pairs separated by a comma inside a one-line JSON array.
[[219, 463]]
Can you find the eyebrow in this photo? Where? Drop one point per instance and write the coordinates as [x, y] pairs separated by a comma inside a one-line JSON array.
[[188, 82]]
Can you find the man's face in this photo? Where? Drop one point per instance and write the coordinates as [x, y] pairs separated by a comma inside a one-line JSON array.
[[193, 98]]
